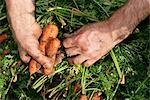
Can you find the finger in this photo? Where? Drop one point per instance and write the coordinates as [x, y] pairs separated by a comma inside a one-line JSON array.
[[59, 58], [78, 59], [73, 51], [69, 42], [23, 55], [91, 61], [66, 35], [38, 56], [37, 31]]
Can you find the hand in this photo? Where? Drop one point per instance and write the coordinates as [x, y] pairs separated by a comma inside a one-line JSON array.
[[89, 44], [26, 30], [93, 41]]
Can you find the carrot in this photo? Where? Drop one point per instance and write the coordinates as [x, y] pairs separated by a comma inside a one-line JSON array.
[[77, 87], [83, 97], [51, 51], [3, 37], [97, 97], [52, 47], [5, 52], [48, 71], [33, 67], [49, 32]]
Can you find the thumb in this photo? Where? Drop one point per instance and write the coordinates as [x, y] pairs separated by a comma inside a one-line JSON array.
[[33, 50], [25, 58]]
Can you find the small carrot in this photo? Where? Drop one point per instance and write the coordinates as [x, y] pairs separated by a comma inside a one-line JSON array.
[[77, 87], [51, 51], [52, 47], [48, 71], [49, 32], [5, 52], [33, 67], [83, 97], [97, 97], [3, 37]]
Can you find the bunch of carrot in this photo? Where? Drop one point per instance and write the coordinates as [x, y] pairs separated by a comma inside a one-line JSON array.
[[49, 45]]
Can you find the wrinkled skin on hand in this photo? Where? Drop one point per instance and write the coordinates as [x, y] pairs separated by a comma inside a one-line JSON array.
[[26, 30], [89, 44]]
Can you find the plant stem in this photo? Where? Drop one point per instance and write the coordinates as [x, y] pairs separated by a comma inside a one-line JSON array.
[[116, 63], [141, 85], [6, 91], [83, 81], [101, 7]]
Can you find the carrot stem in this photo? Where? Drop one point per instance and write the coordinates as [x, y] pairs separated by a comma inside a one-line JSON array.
[[116, 63], [83, 80]]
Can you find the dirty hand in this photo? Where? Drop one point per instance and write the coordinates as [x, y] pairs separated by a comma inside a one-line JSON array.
[[26, 30], [93, 41], [89, 44]]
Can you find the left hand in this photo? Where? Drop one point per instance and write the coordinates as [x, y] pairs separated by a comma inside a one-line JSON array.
[[26, 31]]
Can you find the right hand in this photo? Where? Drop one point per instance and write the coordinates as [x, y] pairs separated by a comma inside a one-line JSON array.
[[89, 43], [26, 31], [92, 41]]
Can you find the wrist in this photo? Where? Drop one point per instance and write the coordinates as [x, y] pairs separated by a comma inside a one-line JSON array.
[[120, 34], [124, 20]]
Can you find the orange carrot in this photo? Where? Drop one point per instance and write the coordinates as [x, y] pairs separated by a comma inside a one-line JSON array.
[[48, 71], [33, 67], [52, 47], [77, 87], [97, 97], [3, 37], [5, 52], [51, 51], [83, 97], [49, 32]]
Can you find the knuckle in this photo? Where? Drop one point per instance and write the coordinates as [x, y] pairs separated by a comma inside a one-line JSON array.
[[24, 58]]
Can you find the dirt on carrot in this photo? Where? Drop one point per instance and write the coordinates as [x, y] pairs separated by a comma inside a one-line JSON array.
[[3, 37]]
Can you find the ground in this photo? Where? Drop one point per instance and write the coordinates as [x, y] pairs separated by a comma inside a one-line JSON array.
[[131, 58]]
